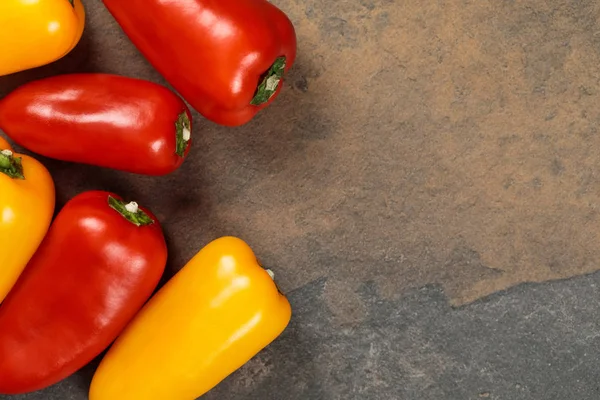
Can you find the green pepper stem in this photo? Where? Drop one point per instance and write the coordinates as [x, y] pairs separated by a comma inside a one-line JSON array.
[[270, 82], [130, 211], [183, 133], [11, 165]]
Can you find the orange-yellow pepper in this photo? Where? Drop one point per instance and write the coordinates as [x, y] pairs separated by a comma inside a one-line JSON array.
[[26, 209], [212, 317], [38, 32]]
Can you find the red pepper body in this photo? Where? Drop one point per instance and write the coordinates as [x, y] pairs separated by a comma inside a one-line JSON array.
[[214, 53], [106, 120], [92, 273]]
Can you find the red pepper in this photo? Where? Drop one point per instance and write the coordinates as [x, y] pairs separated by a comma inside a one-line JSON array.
[[97, 266], [226, 57], [105, 120]]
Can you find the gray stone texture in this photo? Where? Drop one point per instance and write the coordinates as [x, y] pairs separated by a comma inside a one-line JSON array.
[[425, 188]]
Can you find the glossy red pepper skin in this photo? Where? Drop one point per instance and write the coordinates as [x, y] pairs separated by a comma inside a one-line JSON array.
[[105, 120], [212, 52], [92, 273]]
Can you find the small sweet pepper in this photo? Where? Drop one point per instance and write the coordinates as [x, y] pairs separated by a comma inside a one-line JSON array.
[[227, 58], [36, 33], [107, 120], [212, 317], [26, 209], [98, 264]]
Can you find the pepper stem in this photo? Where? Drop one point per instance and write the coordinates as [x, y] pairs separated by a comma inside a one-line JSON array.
[[72, 3], [130, 211], [11, 165], [272, 275], [270, 82], [183, 133]]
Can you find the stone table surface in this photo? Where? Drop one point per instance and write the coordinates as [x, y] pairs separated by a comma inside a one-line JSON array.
[[425, 187]]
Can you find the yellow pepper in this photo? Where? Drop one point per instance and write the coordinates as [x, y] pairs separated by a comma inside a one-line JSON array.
[[212, 317], [26, 209], [38, 32]]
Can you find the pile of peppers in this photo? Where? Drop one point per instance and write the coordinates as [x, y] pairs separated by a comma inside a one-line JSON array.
[[84, 280]]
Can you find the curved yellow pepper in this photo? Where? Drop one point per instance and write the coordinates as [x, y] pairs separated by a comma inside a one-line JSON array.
[[212, 317], [26, 209], [38, 32]]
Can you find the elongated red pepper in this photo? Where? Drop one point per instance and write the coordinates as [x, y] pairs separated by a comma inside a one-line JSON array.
[[106, 120], [226, 57], [97, 266]]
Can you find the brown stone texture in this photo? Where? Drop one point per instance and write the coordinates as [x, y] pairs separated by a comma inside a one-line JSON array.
[[449, 142]]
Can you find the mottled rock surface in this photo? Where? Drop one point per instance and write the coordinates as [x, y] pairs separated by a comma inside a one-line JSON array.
[[422, 157]]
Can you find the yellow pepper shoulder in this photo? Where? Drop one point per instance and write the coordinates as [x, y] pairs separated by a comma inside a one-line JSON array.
[[34, 33]]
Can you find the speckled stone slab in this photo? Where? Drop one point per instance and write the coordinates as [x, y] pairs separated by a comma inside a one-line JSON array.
[[422, 156]]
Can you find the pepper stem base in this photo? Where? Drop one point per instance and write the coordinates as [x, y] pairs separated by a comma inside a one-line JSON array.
[[269, 82], [183, 133], [11, 165], [130, 211]]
